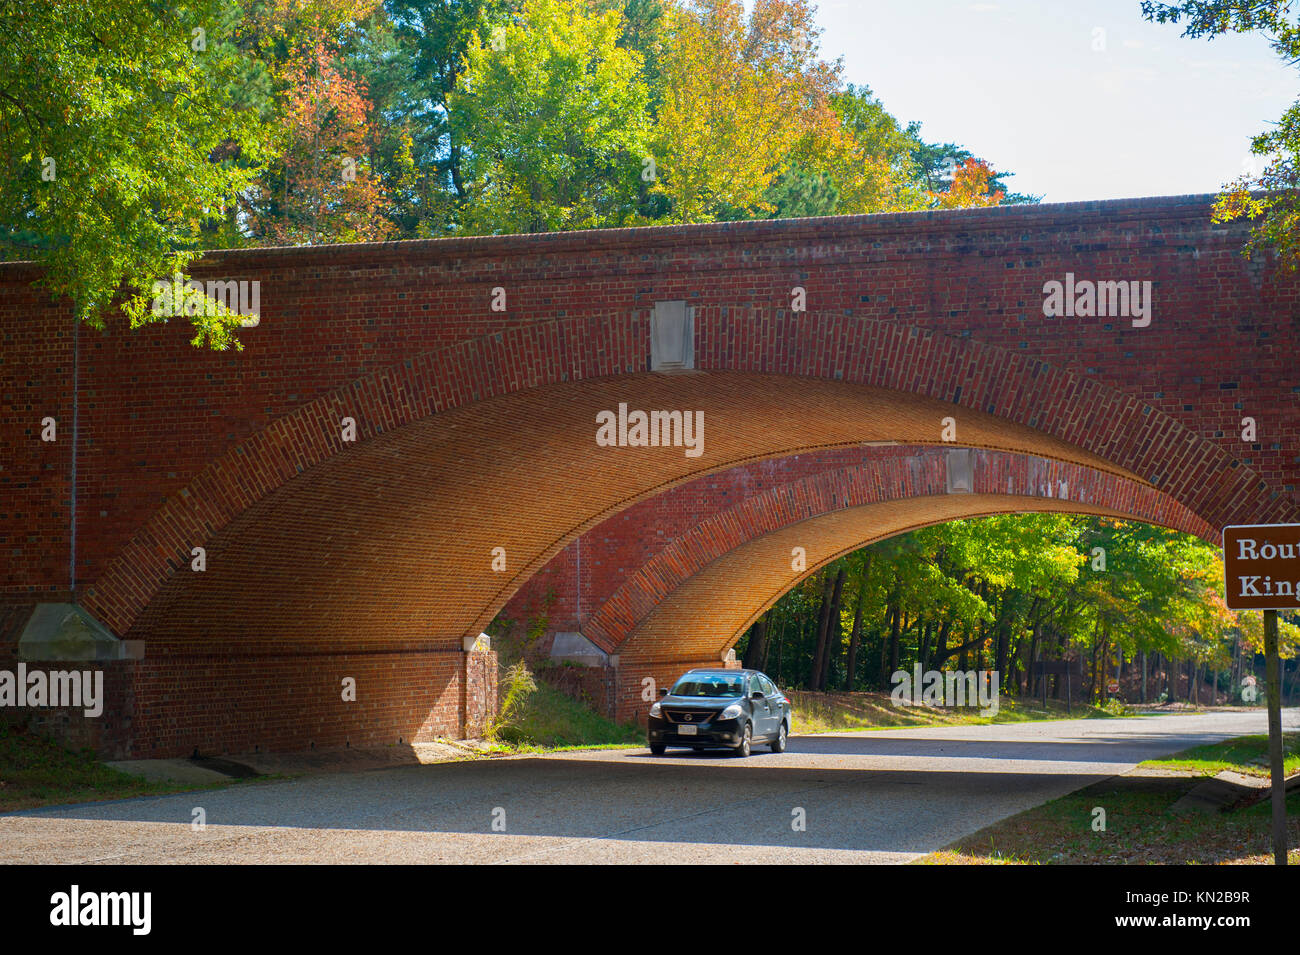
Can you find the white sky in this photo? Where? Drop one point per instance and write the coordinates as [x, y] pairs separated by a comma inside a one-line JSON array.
[[1018, 83]]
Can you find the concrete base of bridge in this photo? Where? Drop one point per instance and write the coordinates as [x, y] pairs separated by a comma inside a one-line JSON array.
[[175, 701]]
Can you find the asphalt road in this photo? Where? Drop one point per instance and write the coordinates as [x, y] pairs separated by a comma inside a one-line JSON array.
[[879, 797]]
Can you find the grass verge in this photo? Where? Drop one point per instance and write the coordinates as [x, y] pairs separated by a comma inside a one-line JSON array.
[[1141, 824], [37, 771], [1247, 755]]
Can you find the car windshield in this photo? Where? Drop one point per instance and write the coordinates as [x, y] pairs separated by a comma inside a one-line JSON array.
[[702, 684]]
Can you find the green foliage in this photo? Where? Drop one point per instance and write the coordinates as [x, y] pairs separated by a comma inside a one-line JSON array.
[[413, 58], [547, 718], [1116, 707], [514, 688], [36, 770], [1271, 197], [558, 122], [119, 141]]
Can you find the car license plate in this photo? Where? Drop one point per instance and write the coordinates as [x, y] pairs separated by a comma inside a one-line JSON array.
[[688, 730]]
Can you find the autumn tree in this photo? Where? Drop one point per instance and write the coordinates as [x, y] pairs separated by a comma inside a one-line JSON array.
[[971, 186], [322, 187], [865, 153]]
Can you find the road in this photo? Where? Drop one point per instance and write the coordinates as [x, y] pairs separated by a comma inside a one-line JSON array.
[[877, 797]]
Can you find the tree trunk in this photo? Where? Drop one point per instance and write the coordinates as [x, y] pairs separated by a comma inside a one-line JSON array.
[[893, 631], [851, 668], [1003, 648], [823, 618], [923, 648], [884, 651], [834, 631], [756, 651], [1092, 669], [939, 650]]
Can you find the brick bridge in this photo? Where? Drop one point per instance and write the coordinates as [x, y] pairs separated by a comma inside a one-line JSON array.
[[920, 383]]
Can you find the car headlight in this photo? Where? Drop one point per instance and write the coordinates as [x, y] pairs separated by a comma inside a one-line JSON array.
[[654, 709], [731, 712]]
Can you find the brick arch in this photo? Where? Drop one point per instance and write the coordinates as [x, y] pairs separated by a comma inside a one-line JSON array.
[[676, 630], [696, 623], [883, 475], [513, 394]]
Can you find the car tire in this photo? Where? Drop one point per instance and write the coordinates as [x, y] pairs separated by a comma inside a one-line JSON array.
[[742, 749], [658, 749], [778, 744]]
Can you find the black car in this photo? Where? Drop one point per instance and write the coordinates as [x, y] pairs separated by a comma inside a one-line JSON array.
[[720, 709]]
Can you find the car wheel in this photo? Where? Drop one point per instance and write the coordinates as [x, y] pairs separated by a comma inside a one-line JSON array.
[[742, 748], [657, 749], [778, 744]]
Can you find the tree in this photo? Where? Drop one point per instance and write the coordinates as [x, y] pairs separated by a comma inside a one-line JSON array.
[[972, 185], [1271, 196], [866, 153], [738, 93], [558, 122], [937, 166], [322, 186], [412, 61], [1002, 592], [755, 656], [116, 124]]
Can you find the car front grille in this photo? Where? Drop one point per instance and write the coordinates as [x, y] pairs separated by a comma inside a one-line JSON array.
[[690, 716]]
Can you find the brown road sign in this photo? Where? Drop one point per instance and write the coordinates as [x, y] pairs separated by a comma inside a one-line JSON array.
[[1261, 566]]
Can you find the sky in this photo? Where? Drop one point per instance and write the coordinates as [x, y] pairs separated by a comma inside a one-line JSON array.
[[1019, 83]]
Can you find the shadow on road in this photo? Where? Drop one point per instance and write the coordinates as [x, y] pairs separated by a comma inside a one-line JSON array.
[[1132, 747], [914, 805]]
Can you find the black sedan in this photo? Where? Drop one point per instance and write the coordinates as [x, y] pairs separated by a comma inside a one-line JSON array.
[[720, 709]]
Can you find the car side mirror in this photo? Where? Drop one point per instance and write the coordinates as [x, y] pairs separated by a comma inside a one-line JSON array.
[[662, 692], [757, 695]]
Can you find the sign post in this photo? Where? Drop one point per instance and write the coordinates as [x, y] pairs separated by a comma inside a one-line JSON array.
[[1273, 680], [1261, 569]]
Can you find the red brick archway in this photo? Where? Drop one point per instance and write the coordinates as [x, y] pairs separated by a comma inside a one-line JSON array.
[[475, 428], [378, 555]]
